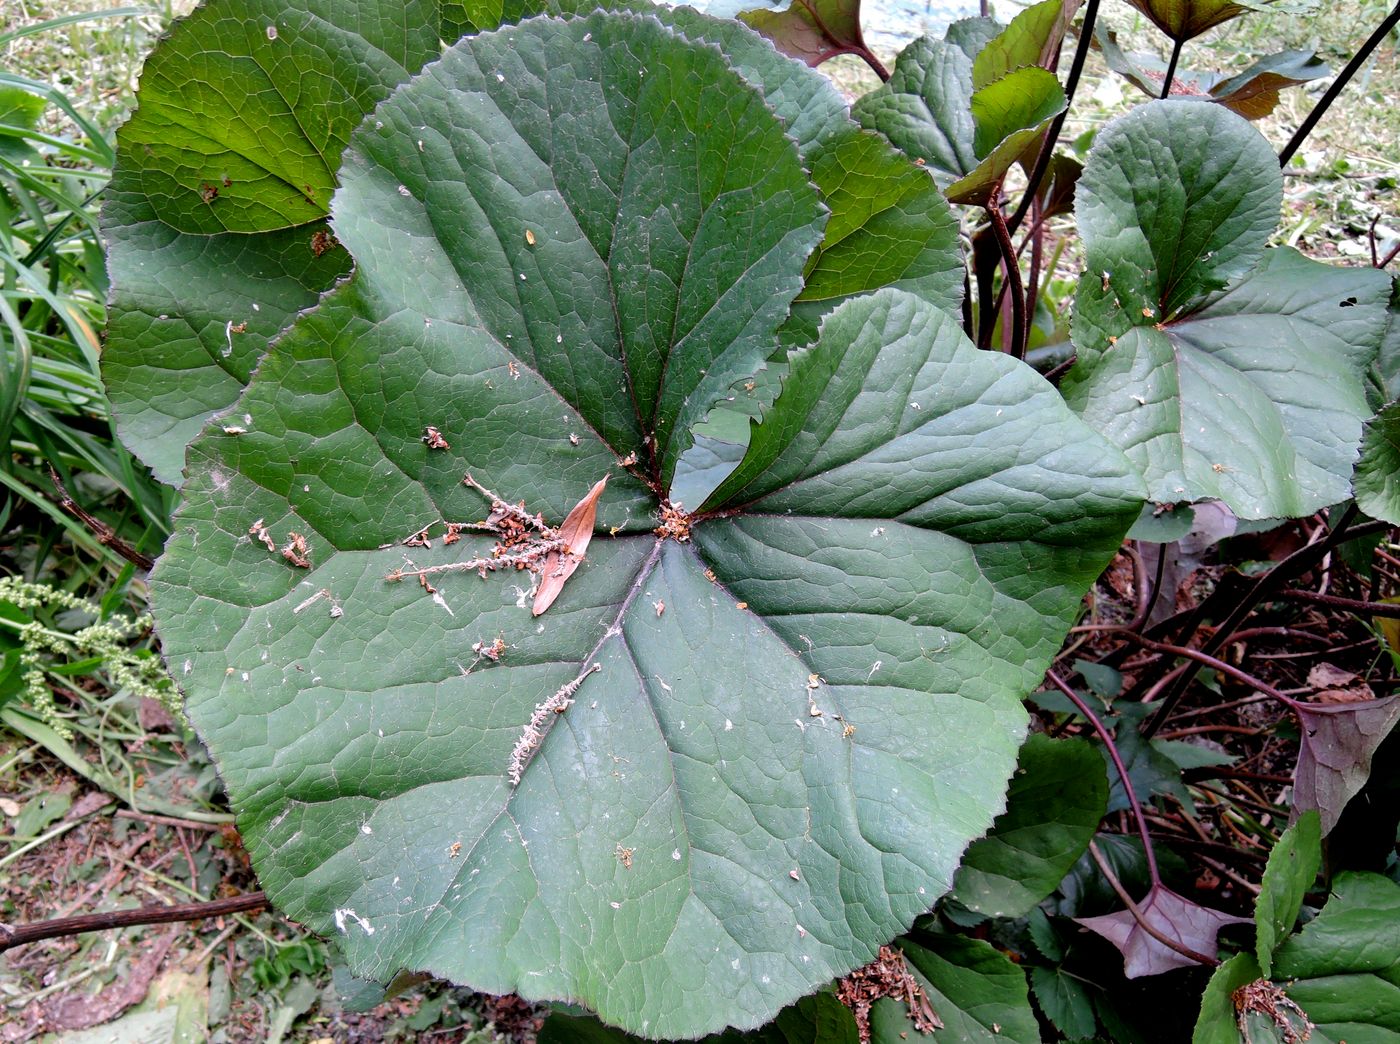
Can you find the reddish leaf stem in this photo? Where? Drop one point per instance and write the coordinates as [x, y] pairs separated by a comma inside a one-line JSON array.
[[1012, 270], [1351, 605], [1122, 771], [1052, 136]]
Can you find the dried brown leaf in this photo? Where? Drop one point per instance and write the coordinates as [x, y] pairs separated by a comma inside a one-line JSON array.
[[576, 533], [1334, 755]]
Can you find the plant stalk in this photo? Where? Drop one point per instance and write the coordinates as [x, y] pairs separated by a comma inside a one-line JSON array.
[[1338, 85], [1012, 270], [1171, 68], [1148, 851], [1141, 918], [11, 937], [1052, 136]]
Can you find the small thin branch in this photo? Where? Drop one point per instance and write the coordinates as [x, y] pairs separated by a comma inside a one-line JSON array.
[[1118, 765], [172, 821], [1351, 605], [1338, 85], [1217, 664], [1141, 918], [1292, 567], [23, 934], [105, 534]]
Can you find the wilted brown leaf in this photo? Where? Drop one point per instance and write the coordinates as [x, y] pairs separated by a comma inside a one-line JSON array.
[[1334, 755], [576, 533]]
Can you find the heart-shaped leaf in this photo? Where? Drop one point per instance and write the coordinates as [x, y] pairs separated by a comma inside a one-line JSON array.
[[1057, 797], [675, 794], [1186, 923], [1183, 322]]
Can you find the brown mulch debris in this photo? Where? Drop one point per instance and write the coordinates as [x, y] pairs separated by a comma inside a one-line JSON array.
[[886, 976]]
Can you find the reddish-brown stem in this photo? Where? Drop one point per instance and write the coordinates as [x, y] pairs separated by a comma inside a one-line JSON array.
[[1351, 605], [1219, 665], [1118, 766], [1012, 272], [19, 935]]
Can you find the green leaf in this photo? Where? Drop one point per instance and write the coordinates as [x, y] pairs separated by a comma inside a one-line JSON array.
[[1033, 38], [1064, 1000], [1388, 359], [1187, 19], [1376, 484], [1343, 969], [1026, 98], [1253, 395], [221, 191], [748, 723], [1217, 1022], [1057, 797], [818, 1019], [889, 226], [1177, 199], [925, 109], [977, 993], [1291, 870], [811, 30], [970, 35]]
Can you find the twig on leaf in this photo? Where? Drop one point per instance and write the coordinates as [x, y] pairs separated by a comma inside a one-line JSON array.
[[1137, 913]]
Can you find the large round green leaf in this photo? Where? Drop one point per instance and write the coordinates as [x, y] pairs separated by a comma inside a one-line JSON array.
[[194, 307], [1226, 371], [724, 766]]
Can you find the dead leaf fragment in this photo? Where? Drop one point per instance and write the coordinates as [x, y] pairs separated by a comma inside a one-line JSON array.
[[576, 534]]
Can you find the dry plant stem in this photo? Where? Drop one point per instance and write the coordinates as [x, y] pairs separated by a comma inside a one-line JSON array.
[[1219, 665], [1052, 136], [1142, 921], [104, 533], [1338, 85], [172, 821], [11, 937], [1012, 271], [1118, 766], [1292, 567], [1352, 605]]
